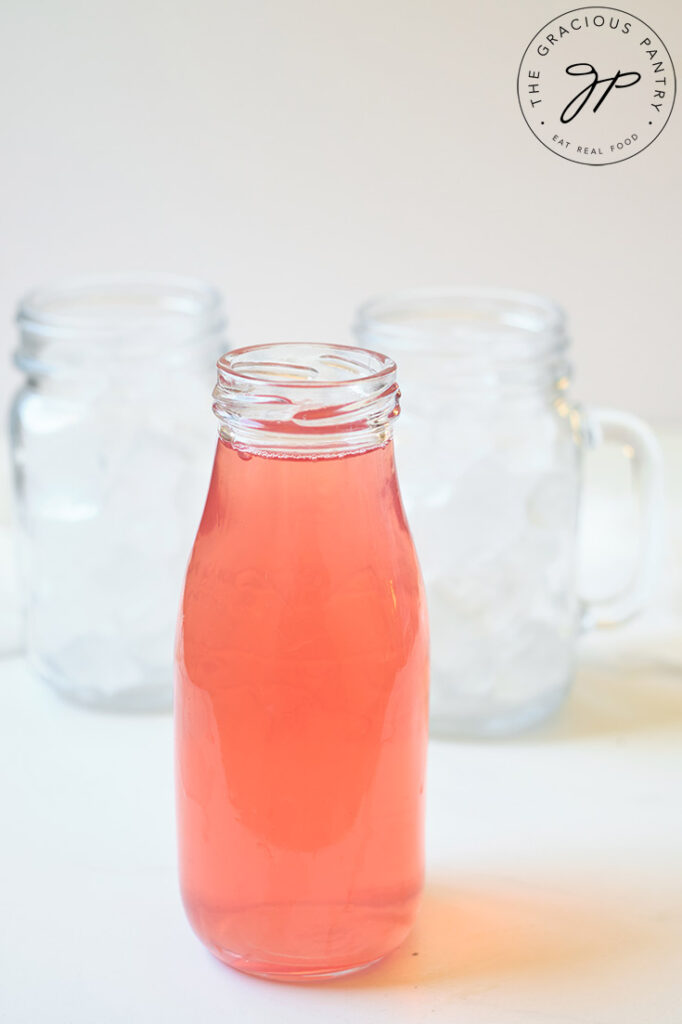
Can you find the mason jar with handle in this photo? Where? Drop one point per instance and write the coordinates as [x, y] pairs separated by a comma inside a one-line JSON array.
[[108, 436], [491, 460]]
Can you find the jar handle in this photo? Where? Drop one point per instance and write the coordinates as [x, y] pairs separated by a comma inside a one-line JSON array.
[[640, 445]]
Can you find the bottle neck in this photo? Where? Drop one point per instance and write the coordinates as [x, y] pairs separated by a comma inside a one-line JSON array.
[[305, 400], [316, 499]]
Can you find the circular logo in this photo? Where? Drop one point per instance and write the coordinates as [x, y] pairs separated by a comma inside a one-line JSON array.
[[596, 85]]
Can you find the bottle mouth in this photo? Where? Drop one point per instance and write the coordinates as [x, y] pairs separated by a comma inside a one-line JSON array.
[[304, 399], [489, 332], [114, 318]]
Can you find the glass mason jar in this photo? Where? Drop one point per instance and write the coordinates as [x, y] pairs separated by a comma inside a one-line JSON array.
[[302, 672], [491, 452], [109, 436]]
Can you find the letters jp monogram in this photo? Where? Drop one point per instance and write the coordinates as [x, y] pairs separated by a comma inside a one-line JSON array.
[[618, 81]]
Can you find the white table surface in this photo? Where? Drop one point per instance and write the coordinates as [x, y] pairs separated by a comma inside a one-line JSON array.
[[554, 875]]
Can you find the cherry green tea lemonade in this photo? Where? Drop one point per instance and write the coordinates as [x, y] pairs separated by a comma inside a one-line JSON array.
[[302, 673]]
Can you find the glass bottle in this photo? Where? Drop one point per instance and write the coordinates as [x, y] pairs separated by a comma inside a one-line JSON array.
[[302, 663], [491, 460], [109, 438]]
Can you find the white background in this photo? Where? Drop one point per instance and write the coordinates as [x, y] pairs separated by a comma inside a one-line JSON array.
[[304, 154]]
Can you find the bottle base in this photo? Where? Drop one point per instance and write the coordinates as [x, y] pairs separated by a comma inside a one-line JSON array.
[[304, 942], [292, 973]]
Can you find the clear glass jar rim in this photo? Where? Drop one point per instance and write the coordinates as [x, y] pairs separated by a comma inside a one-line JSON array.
[[234, 362], [305, 399], [101, 322], [508, 309], [160, 294]]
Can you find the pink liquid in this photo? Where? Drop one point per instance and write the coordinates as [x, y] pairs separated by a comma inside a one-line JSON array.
[[301, 715]]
